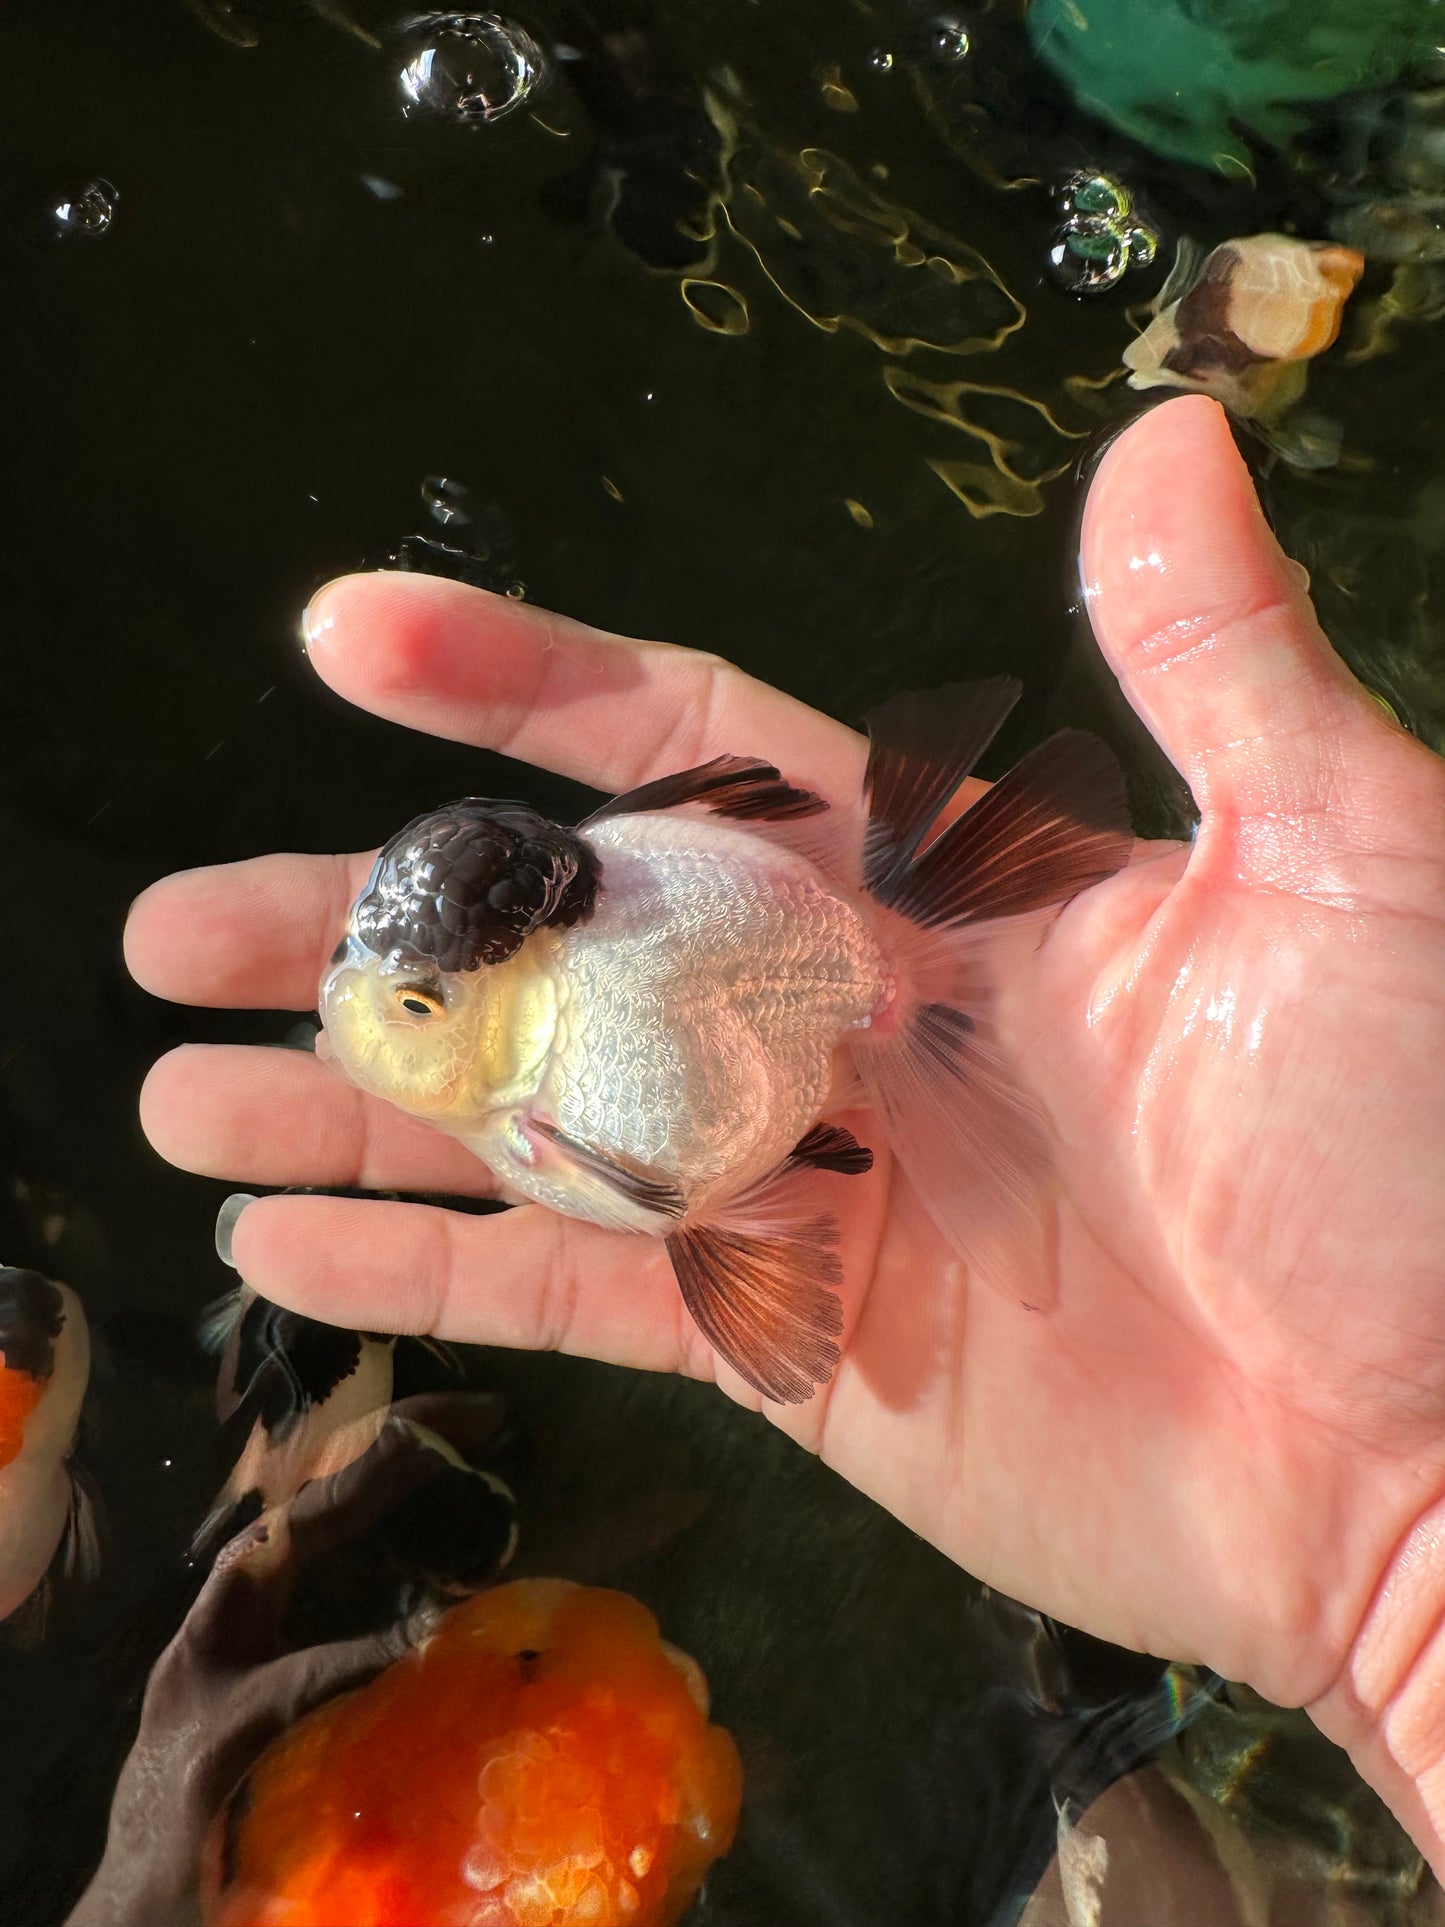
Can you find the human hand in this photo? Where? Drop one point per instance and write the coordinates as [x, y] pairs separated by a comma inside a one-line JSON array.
[[1229, 1432]]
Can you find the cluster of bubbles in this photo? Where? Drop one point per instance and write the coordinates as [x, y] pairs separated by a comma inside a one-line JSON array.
[[1102, 235], [942, 41], [472, 67], [90, 212]]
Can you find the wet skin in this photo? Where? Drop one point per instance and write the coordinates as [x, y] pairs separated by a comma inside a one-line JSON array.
[[1226, 1440]]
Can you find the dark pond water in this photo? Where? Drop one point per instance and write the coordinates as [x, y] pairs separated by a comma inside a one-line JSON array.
[[760, 436]]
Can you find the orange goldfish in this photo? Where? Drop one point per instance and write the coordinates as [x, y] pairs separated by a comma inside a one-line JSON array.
[[44, 1366], [543, 1760]]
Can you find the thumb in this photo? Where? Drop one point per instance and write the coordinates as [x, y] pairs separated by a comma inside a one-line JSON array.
[[1207, 624]]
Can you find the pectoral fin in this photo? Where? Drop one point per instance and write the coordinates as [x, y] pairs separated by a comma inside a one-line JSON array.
[[634, 1184]]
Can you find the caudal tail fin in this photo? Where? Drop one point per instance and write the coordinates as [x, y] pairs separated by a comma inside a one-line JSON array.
[[974, 1141]]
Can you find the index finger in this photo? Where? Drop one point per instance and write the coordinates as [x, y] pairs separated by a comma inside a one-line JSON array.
[[444, 657], [455, 661]]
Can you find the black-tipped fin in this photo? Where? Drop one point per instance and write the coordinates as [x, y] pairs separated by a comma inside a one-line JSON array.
[[736, 786], [829, 1147], [921, 747]]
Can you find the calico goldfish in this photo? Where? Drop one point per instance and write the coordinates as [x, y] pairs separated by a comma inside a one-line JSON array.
[[543, 1758], [641, 1021], [44, 1368]]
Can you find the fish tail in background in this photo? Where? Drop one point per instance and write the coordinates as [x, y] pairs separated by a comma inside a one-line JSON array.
[[975, 1144]]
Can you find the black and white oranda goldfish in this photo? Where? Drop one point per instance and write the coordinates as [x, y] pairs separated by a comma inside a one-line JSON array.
[[641, 1021]]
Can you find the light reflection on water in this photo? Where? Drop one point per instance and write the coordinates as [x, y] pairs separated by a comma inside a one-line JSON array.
[[741, 331]]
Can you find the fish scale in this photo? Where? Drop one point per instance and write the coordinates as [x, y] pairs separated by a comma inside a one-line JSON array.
[[705, 998]]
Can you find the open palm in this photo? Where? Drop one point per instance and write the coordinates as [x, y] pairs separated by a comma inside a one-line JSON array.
[[1223, 1429]]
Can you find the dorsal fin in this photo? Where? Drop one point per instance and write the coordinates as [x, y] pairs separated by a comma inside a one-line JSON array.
[[921, 746], [736, 786]]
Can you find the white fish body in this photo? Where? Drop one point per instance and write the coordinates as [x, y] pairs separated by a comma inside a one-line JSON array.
[[698, 1014]]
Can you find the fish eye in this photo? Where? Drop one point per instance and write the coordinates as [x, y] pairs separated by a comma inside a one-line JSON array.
[[419, 1000]]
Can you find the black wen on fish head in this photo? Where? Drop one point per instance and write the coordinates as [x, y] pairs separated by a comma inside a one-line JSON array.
[[468, 884], [32, 1314]]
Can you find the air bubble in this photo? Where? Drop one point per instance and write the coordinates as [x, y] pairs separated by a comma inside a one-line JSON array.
[[91, 212], [447, 502], [948, 39], [1088, 264], [473, 67]]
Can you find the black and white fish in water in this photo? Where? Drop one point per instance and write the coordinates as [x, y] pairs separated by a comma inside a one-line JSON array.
[[642, 1021], [45, 1512], [300, 1400], [297, 1400]]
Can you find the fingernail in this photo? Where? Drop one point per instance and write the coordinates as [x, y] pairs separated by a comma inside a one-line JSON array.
[[226, 1220], [317, 619]]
